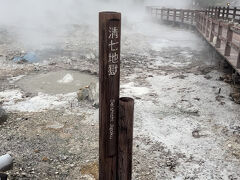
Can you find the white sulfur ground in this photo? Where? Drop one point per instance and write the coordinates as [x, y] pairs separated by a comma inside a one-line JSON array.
[[14, 101], [66, 79], [168, 109], [170, 120]]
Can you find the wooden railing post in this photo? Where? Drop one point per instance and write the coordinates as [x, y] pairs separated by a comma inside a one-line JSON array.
[[234, 13], [207, 26], [218, 43], [200, 21], [238, 59], [223, 13], [203, 23], [125, 138], [167, 14], [207, 11], [219, 12], [212, 31], [182, 15], [192, 16], [174, 15], [216, 13], [109, 80], [229, 40], [161, 14], [212, 11], [227, 13]]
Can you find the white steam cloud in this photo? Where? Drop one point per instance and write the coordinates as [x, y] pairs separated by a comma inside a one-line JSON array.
[[38, 22]]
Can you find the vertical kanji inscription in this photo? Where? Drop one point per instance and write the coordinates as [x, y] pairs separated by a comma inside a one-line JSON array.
[[109, 80]]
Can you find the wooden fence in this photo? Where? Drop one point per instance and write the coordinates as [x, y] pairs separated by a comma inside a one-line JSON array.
[[218, 25], [227, 13]]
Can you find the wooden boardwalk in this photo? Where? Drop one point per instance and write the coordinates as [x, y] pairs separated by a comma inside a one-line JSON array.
[[219, 26]]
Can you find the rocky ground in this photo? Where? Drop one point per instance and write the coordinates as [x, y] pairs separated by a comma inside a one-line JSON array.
[[186, 123]]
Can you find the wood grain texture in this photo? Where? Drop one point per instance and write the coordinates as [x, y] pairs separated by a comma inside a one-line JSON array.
[[108, 95], [125, 138], [229, 40], [238, 59]]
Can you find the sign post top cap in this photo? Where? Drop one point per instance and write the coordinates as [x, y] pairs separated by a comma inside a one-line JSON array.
[[109, 12], [108, 15]]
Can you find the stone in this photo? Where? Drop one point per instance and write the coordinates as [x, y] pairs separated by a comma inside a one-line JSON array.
[[6, 162], [45, 159], [196, 134], [55, 126], [83, 94], [235, 96], [90, 93], [3, 116]]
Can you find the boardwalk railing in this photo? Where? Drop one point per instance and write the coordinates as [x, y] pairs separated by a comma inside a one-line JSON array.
[[175, 15], [228, 13], [219, 26]]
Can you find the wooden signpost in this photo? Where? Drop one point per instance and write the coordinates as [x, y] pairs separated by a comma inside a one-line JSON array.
[[110, 140], [125, 139], [109, 80]]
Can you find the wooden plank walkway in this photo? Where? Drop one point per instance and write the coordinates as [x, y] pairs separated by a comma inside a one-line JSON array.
[[218, 25]]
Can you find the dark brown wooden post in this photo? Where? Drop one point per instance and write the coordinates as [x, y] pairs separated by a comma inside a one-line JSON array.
[[200, 21], [212, 31], [203, 22], [125, 138], [109, 77], [212, 11], [218, 43], [223, 13], [187, 15], [182, 15], [229, 40], [216, 12], [238, 60], [174, 15], [167, 14], [207, 26], [234, 13], [219, 12], [227, 13]]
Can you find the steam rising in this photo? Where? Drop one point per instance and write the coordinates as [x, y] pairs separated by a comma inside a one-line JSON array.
[[39, 22]]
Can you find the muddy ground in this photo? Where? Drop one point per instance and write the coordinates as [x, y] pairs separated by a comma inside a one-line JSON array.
[[186, 125]]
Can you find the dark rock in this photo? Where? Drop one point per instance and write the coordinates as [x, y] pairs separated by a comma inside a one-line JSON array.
[[207, 77], [3, 116], [196, 134], [235, 97]]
